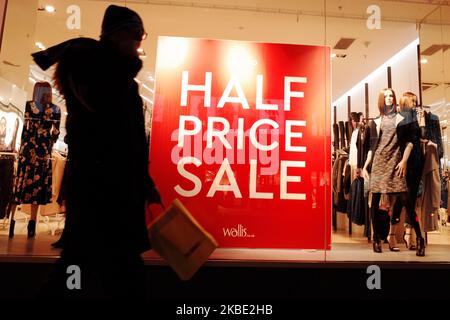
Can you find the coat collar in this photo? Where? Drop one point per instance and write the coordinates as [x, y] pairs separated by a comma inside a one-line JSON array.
[[398, 119]]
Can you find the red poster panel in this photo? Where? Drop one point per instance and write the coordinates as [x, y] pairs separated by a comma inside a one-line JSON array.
[[241, 135]]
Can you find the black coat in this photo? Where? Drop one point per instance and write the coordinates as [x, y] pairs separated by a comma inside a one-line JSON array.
[[356, 204], [108, 180], [434, 131], [363, 145]]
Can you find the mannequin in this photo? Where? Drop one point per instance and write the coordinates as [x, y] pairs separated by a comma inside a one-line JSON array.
[[390, 150], [408, 107], [34, 173]]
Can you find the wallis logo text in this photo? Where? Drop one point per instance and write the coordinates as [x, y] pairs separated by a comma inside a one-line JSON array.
[[237, 232]]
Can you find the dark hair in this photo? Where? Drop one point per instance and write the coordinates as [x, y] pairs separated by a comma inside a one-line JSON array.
[[381, 100], [355, 116]]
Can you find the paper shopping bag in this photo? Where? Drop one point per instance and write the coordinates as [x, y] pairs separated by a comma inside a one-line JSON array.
[[180, 240]]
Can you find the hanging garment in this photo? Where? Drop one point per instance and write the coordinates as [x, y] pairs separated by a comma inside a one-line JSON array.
[[346, 180], [368, 221], [429, 202], [34, 174], [336, 136], [6, 183], [356, 205], [434, 131], [448, 200], [353, 154], [348, 132], [338, 182], [9, 125], [342, 135]]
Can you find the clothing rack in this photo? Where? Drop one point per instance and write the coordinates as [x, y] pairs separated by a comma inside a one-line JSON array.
[[6, 153], [40, 119]]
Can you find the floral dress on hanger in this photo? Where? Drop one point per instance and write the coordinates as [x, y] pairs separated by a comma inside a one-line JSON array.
[[34, 173]]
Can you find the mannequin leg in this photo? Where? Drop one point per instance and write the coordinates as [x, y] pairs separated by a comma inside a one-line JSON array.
[[395, 219], [32, 223], [391, 237], [12, 223], [415, 223], [373, 213], [413, 182], [34, 211], [408, 237]]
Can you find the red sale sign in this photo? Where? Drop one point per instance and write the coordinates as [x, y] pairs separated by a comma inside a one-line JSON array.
[[241, 135]]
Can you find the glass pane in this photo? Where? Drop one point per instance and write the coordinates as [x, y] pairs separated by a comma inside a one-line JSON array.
[[297, 232], [433, 63], [445, 121], [375, 46]]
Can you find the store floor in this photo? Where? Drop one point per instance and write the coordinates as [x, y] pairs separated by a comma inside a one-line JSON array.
[[345, 248]]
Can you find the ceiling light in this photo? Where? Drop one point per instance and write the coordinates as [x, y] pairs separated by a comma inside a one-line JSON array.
[[423, 61], [40, 45], [49, 8], [333, 55]]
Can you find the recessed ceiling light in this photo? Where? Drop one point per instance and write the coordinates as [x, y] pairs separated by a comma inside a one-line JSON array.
[[333, 55], [40, 45], [423, 61], [49, 8]]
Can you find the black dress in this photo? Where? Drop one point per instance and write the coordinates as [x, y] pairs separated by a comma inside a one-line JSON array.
[[34, 173]]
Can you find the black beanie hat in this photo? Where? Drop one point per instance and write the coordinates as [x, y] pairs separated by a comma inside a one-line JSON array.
[[117, 17]]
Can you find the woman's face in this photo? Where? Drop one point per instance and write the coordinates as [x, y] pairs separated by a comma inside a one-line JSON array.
[[388, 98], [412, 102], [46, 97]]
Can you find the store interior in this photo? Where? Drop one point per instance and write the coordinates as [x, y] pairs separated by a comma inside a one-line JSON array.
[[365, 50]]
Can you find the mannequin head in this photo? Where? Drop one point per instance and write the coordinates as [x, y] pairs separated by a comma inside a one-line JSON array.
[[42, 93], [355, 117], [408, 101], [387, 101], [362, 119]]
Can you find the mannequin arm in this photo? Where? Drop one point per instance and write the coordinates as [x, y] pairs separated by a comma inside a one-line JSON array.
[[366, 164], [401, 166]]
